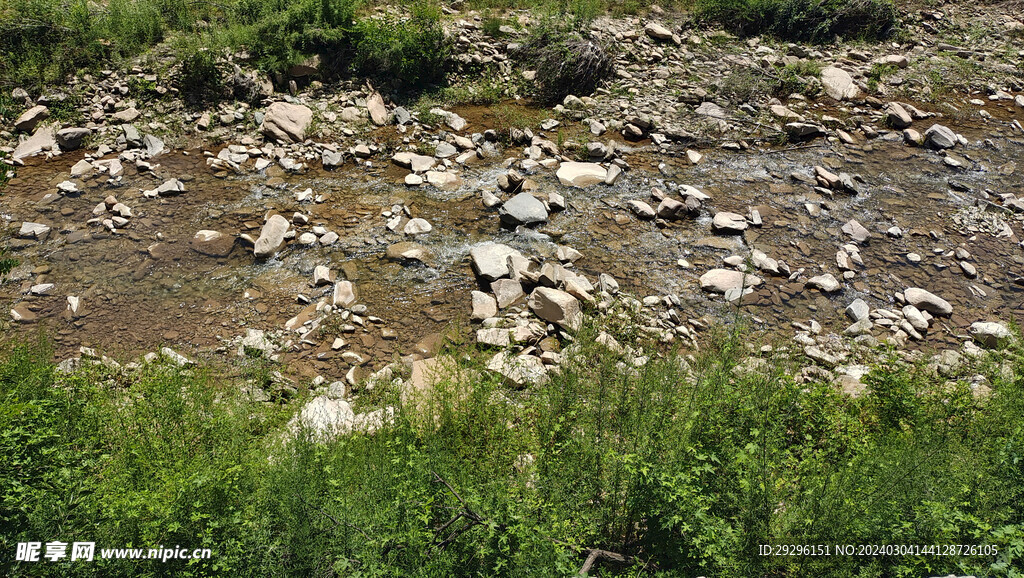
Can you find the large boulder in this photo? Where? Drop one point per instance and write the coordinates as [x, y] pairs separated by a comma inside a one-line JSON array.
[[839, 84], [212, 243], [555, 306], [926, 301], [71, 139], [271, 237], [523, 209], [939, 137], [286, 123], [490, 260], [378, 112], [42, 140], [573, 174], [29, 119]]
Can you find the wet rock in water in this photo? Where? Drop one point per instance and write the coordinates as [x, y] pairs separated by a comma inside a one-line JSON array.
[[286, 123], [20, 313], [523, 209], [344, 294], [271, 237], [417, 227], [722, 280], [839, 84], [168, 188], [519, 370], [897, 116], [414, 162], [939, 137], [484, 306], [991, 334], [29, 119], [71, 139], [641, 209], [74, 305], [927, 301], [33, 230], [555, 306], [574, 174], [443, 179], [212, 243], [856, 230], [916, 319], [858, 310], [407, 251], [671, 209], [729, 223], [913, 138], [321, 276], [826, 283], [803, 130], [490, 260]]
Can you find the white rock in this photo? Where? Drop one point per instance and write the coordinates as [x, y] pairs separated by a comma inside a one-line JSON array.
[[555, 306], [929, 302], [839, 84], [271, 237], [344, 294], [574, 174], [991, 334], [722, 280], [286, 123]]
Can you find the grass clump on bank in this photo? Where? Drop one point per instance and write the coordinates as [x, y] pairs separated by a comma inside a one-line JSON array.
[[678, 467], [804, 20]]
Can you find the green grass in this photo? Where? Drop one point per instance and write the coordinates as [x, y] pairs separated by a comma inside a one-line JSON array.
[[682, 467]]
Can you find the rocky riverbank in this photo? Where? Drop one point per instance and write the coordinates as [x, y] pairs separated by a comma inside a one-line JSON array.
[[876, 200]]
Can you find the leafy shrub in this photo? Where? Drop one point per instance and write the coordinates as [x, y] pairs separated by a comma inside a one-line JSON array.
[[200, 79], [682, 467], [281, 33], [410, 53], [566, 63], [810, 20]]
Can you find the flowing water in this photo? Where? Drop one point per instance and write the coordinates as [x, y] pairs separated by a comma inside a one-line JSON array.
[[143, 286]]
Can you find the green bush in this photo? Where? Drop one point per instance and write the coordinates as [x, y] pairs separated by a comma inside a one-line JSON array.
[[409, 53], [682, 468], [200, 79], [809, 20], [281, 33]]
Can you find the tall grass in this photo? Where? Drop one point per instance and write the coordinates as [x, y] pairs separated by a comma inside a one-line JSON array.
[[677, 468]]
